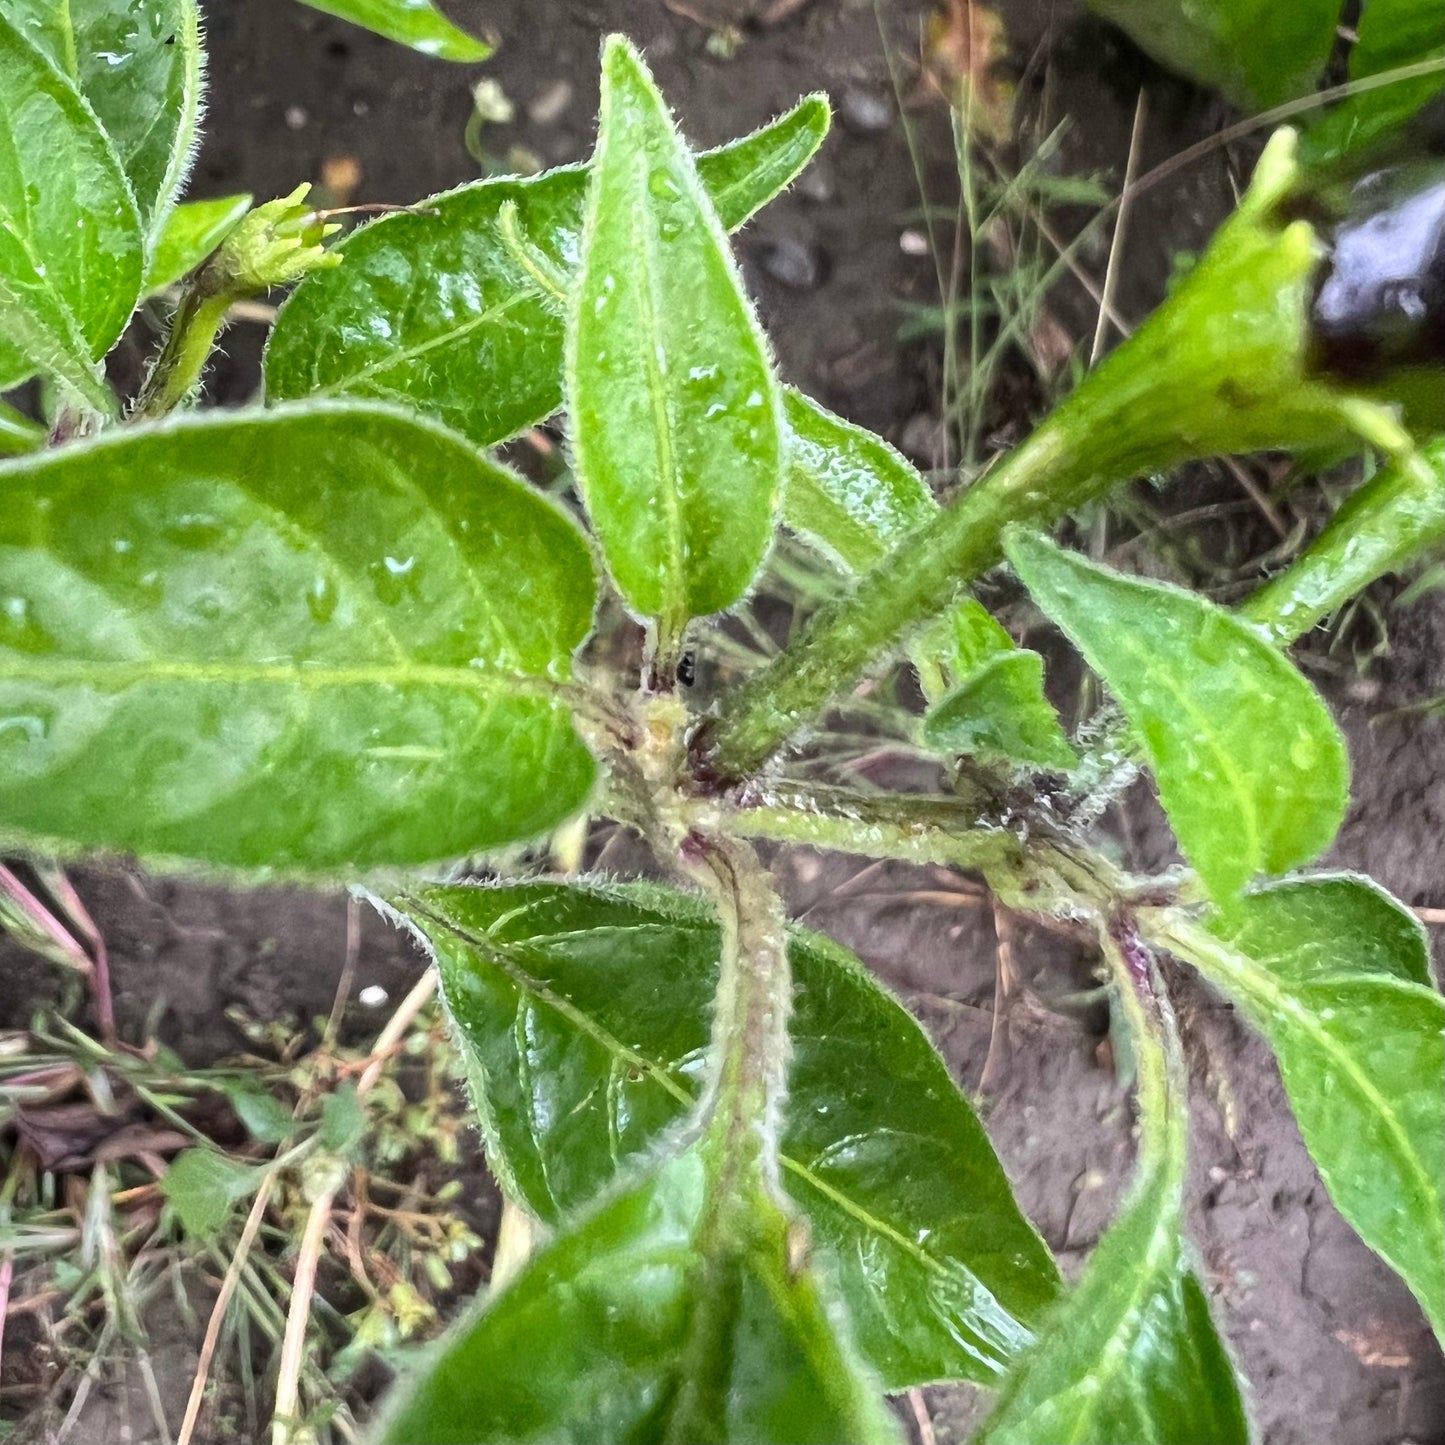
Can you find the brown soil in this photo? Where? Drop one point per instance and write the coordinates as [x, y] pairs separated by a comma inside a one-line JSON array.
[[1332, 1344]]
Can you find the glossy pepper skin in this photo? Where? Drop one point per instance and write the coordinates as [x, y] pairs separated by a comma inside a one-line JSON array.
[[1379, 303]]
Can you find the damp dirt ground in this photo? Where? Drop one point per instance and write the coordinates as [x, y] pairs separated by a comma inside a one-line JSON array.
[[1332, 1345]]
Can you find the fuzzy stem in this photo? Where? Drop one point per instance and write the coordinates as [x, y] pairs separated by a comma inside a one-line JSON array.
[[177, 370], [1221, 367], [1163, 1087], [748, 1071]]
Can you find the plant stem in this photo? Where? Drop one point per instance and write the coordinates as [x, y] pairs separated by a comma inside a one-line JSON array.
[[1163, 1087], [1220, 367], [177, 370], [748, 1070]]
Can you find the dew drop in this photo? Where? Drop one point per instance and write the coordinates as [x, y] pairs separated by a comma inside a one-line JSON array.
[[662, 185], [321, 599], [195, 532]]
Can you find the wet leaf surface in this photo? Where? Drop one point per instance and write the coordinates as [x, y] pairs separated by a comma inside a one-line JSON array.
[[584, 1012], [601, 1338], [294, 640], [1333, 973], [415, 23], [138, 65], [1250, 766], [435, 310], [676, 418], [70, 238]]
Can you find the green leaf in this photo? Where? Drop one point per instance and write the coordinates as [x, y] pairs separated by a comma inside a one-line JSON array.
[[71, 253], [190, 233], [1257, 52], [1392, 34], [676, 418], [999, 711], [1385, 525], [848, 492], [203, 1186], [343, 1121], [324, 636], [415, 23], [1251, 768], [18, 433], [1330, 973], [1306, 929], [998, 708], [138, 64], [434, 308], [266, 1119], [584, 1016], [598, 1339], [1131, 1355]]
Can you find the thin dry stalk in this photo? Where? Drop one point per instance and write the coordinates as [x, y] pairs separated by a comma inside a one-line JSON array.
[[1121, 225]]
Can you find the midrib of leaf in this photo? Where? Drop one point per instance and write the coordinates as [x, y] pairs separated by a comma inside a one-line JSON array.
[[402, 355], [675, 611], [496, 954], [848, 1205], [311, 676]]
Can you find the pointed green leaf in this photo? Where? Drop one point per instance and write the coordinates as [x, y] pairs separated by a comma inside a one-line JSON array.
[[1306, 929], [676, 417], [1250, 766], [848, 492], [138, 64], [415, 23], [596, 1340], [190, 233], [297, 640], [1131, 1355], [999, 711], [71, 253], [1388, 523], [1330, 973], [1392, 34], [997, 708], [1257, 52], [433, 308], [584, 1017]]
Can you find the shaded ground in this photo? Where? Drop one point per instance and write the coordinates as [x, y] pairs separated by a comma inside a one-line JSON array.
[[1333, 1345]]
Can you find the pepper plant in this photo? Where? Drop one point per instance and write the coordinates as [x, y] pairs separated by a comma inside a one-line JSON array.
[[332, 636]]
